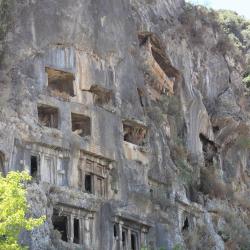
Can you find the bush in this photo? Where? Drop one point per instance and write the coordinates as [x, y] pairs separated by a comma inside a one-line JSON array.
[[167, 105], [213, 186], [199, 239], [236, 232], [237, 27], [243, 142], [178, 247], [224, 44], [246, 79], [243, 200], [13, 210], [192, 14]]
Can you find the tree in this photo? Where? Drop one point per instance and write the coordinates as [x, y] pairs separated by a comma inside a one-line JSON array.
[[237, 28], [206, 3], [13, 210]]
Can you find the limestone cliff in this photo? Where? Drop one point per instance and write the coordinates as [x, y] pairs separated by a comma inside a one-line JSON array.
[[132, 118]]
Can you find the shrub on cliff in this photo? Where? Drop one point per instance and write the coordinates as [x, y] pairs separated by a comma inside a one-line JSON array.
[[13, 210], [213, 186], [235, 232], [237, 28], [246, 79]]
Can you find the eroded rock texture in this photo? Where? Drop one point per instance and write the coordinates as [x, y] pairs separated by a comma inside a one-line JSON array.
[[132, 121]]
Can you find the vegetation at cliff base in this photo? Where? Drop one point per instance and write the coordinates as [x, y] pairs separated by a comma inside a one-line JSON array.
[[13, 210]]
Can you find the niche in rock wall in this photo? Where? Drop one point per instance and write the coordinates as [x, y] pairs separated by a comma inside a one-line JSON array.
[[102, 96], [75, 225], [48, 116], [34, 171], [76, 239], [2, 160], [209, 150], [134, 241], [134, 133], [60, 223], [131, 233], [216, 129], [81, 124], [88, 182], [187, 222], [47, 164], [159, 193], [159, 74], [185, 225], [60, 83], [93, 175], [130, 237]]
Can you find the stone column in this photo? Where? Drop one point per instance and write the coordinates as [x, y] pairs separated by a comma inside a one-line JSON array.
[[120, 235], [81, 231], [70, 228], [88, 229], [129, 240], [143, 241]]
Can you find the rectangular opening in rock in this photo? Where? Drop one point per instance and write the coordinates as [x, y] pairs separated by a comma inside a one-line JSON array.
[[34, 166], [116, 230], [60, 83], [102, 96], [60, 224], [185, 224], [48, 116], [134, 243], [93, 174], [89, 183], [134, 133], [81, 124], [76, 231], [124, 239], [2, 160]]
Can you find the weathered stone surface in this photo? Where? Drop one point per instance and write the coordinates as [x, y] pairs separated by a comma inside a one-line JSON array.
[[147, 195]]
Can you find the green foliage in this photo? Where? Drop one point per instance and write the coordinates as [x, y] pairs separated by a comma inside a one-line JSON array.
[[243, 142], [178, 247], [192, 14], [185, 173], [246, 79], [237, 28], [179, 156], [13, 210], [233, 30]]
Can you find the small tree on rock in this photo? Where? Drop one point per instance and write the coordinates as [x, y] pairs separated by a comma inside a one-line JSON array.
[[13, 210]]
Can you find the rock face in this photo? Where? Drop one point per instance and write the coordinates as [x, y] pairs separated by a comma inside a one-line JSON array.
[[131, 120]]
